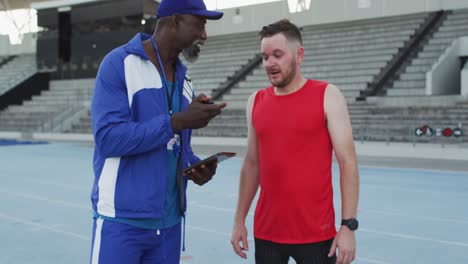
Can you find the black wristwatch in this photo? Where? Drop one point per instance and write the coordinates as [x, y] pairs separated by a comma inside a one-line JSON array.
[[351, 223]]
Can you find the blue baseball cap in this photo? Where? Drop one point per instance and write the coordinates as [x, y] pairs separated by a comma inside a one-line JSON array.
[[186, 7]]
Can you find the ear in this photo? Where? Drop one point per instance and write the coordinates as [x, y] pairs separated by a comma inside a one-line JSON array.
[[175, 22], [300, 55]]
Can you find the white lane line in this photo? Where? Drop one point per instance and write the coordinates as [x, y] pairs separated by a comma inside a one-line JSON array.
[[209, 230], [228, 235], [422, 217], [414, 170], [233, 195], [413, 237], [43, 227], [75, 187], [215, 208], [207, 191], [409, 189], [87, 238], [366, 211], [391, 234], [45, 199], [372, 261], [401, 236]]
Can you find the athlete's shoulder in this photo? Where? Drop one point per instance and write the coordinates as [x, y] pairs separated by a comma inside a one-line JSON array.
[[265, 91], [333, 89], [317, 83], [251, 100]]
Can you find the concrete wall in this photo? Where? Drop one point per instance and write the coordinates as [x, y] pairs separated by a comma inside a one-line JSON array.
[[323, 11], [27, 46], [453, 4], [444, 77]]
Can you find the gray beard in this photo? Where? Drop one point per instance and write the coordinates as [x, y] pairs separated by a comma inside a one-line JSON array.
[[192, 53]]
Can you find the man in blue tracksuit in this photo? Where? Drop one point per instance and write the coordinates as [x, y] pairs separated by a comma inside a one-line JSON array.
[[142, 112]]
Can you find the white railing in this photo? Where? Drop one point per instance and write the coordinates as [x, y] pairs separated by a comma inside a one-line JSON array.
[[444, 76]]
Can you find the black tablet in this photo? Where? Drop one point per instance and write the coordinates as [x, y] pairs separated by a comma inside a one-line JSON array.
[[220, 156]]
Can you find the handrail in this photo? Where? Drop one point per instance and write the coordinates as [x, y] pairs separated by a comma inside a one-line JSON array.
[[71, 108], [376, 87], [61, 114], [464, 61], [7, 60], [239, 75]]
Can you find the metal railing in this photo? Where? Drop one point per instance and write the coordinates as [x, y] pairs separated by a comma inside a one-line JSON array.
[[68, 114], [422, 132], [376, 87]]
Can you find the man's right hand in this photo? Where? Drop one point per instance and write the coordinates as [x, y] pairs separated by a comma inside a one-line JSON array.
[[197, 115], [239, 234]]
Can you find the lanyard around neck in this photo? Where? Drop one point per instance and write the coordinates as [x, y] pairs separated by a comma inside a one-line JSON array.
[[169, 97], [179, 180]]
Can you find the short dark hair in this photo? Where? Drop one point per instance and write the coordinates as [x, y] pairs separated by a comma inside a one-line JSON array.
[[289, 30]]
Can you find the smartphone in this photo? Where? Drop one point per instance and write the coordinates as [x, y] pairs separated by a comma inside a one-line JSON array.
[[220, 156]]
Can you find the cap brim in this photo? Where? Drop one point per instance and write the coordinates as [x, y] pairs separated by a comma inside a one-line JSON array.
[[213, 15]]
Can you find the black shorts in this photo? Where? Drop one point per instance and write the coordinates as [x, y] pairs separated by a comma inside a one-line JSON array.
[[267, 252]]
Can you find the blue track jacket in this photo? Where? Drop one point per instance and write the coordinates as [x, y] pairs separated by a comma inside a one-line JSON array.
[[132, 132]]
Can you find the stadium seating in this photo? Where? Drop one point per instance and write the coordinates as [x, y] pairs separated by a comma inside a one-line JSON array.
[[400, 123], [2, 59], [221, 57], [412, 82], [16, 71], [50, 110], [348, 54]]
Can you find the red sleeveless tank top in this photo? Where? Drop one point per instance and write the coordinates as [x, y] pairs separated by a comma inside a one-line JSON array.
[[295, 157]]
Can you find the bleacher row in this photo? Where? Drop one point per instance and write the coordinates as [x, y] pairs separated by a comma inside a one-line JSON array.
[[16, 70], [348, 55], [413, 81]]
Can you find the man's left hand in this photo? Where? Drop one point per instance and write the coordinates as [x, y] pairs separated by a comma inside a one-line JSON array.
[[203, 174], [345, 242]]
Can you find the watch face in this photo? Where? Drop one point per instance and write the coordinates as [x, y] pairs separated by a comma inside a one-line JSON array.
[[352, 224]]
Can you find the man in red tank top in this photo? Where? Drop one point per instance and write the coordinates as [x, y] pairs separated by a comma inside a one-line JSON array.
[[294, 126]]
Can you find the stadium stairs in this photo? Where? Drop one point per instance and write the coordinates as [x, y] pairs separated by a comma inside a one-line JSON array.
[[16, 69], [5, 59], [221, 59], [412, 80], [351, 56], [54, 110]]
